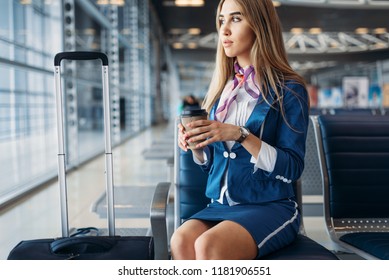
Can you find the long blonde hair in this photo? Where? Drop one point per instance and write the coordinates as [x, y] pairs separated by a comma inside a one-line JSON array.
[[268, 54]]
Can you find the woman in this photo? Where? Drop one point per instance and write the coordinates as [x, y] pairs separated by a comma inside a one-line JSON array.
[[253, 143]]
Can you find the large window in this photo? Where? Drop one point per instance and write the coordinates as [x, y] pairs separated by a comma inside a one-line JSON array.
[[31, 33], [29, 37]]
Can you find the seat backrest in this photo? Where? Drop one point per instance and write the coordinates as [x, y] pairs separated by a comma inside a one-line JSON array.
[[354, 161], [189, 185], [310, 178], [192, 182]]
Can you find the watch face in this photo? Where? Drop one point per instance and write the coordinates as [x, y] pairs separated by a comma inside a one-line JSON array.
[[245, 131]]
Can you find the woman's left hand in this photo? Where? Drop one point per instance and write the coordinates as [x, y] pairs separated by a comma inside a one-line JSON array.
[[209, 131]]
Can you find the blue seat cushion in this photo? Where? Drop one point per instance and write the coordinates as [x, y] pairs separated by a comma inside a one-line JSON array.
[[303, 248], [374, 243]]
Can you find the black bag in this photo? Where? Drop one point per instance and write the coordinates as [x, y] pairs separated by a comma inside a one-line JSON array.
[[81, 246], [85, 248]]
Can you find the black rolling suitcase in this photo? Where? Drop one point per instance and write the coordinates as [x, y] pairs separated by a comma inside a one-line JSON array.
[[110, 247]]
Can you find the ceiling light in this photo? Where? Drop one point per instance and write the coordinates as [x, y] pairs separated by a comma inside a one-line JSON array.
[[194, 31], [117, 2], [189, 3], [111, 2], [361, 30], [178, 45], [315, 30], [276, 4], [297, 30], [192, 45], [380, 30]]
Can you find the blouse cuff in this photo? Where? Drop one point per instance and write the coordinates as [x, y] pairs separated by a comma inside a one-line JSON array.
[[267, 157], [206, 157]]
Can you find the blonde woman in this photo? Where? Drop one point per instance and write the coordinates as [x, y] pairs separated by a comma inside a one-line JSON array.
[[253, 143]]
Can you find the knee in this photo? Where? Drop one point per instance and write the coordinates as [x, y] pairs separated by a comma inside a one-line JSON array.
[[177, 239], [206, 248], [181, 245]]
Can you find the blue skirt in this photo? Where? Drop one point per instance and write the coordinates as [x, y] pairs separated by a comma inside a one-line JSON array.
[[272, 225]]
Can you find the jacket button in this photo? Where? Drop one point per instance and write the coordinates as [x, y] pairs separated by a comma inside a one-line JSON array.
[[225, 154], [232, 155]]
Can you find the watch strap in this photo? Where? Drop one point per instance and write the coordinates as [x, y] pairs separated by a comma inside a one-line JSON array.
[[244, 132]]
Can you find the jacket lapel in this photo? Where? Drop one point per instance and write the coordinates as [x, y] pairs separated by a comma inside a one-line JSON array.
[[259, 113]]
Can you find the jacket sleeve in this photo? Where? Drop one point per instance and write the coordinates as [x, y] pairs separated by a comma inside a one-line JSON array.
[[291, 135]]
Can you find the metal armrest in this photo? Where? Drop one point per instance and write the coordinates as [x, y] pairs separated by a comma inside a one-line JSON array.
[[158, 219], [170, 166], [299, 198]]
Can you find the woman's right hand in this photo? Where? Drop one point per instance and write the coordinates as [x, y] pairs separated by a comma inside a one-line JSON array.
[[183, 144], [181, 138]]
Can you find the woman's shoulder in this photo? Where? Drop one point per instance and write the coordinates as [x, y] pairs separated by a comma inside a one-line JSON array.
[[295, 86], [294, 91]]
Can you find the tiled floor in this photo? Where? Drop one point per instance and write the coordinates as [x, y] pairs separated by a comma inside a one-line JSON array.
[[38, 215]]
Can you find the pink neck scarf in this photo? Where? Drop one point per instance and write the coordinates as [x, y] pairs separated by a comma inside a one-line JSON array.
[[243, 77]]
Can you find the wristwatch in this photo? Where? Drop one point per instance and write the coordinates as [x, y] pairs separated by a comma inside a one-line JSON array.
[[244, 132]]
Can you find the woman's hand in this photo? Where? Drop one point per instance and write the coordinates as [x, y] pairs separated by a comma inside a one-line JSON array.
[[181, 138], [183, 144], [208, 132]]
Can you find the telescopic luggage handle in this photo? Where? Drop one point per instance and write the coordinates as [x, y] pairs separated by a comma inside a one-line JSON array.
[[80, 56], [107, 133]]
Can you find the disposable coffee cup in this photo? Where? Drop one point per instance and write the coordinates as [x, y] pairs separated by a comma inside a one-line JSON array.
[[192, 115]]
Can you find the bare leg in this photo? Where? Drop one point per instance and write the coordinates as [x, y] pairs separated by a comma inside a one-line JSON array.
[[226, 241], [184, 238]]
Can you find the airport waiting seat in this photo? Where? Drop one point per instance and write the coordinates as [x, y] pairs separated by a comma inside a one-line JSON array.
[[189, 197], [311, 178], [354, 158]]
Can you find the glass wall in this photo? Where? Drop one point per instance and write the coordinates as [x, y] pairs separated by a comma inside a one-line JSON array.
[[31, 33], [29, 37]]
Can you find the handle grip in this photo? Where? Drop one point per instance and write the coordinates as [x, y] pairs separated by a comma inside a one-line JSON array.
[[82, 245], [80, 56]]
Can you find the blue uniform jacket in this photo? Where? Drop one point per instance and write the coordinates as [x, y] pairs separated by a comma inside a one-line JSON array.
[[247, 186]]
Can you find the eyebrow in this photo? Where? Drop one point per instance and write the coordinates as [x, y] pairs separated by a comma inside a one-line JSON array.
[[231, 14]]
